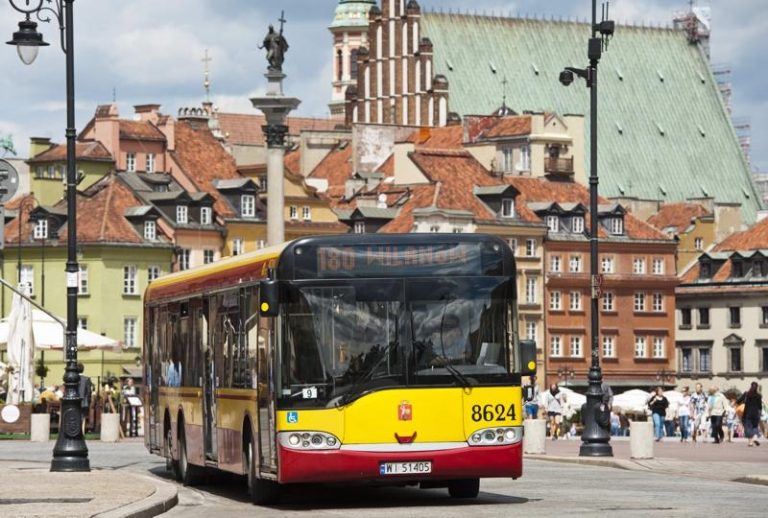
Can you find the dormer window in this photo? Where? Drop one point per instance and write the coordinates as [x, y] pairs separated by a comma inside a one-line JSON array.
[[248, 205], [41, 229], [182, 214], [206, 215], [150, 230], [705, 270], [263, 183], [553, 223], [359, 227], [738, 268], [616, 225], [507, 208], [577, 224], [758, 269]]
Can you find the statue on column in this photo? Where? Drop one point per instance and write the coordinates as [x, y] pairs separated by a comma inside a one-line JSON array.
[[276, 46]]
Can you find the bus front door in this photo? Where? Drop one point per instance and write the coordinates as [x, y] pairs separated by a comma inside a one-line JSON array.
[[210, 438], [265, 391]]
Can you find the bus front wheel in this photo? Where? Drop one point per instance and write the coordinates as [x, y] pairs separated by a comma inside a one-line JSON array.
[[468, 488], [261, 491]]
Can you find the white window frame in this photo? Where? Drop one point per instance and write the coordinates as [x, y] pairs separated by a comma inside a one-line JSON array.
[[658, 266], [182, 214], [531, 288], [41, 229], [530, 248], [575, 301], [150, 163], [524, 163], [206, 215], [616, 225], [553, 223], [306, 213], [555, 264], [185, 259], [698, 243], [512, 242], [130, 280], [130, 162], [574, 264], [658, 347], [555, 300], [641, 345], [238, 246], [531, 330], [507, 207], [556, 346], [359, 227], [507, 159], [577, 224], [609, 301], [293, 212], [607, 264], [609, 346], [638, 302], [130, 326], [209, 255], [153, 272], [82, 323], [657, 302], [638, 265], [434, 229], [248, 206], [83, 287], [577, 346], [150, 230]]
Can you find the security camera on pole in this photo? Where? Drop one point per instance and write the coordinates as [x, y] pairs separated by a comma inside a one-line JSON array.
[[275, 107], [595, 413]]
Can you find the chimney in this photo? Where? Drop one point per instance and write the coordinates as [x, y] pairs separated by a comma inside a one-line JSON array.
[[106, 128], [147, 112], [39, 145]]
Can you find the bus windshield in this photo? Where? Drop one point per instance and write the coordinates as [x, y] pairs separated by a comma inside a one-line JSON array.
[[342, 339]]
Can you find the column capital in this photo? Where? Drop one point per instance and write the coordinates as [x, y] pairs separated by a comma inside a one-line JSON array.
[[275, 134]]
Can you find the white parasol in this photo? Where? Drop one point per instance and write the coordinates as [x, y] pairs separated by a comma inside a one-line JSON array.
[[633, 401], [20, 344], [49, 334]]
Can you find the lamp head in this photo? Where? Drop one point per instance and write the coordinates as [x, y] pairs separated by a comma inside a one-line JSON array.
[[27, 41]]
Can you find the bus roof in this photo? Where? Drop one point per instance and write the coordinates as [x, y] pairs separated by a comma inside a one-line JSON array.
[[225, 272]]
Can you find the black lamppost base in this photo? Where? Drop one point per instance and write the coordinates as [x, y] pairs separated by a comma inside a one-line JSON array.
[[70, 464], [70, 452], [595, 449]]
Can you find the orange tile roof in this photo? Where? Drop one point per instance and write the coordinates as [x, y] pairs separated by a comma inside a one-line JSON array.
[[509, 127], [421, 196], [203, 160], [292, 162], [677, 215], [448, 137], [83, 151], [245, 129], [140, 130], [27, 204], [754, 238], [387, 168]]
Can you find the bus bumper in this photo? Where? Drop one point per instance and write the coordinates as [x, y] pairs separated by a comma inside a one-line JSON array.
[[347, 465]]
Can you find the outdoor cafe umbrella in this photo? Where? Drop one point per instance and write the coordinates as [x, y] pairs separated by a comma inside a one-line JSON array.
[[19, 340], [633, 401], [48, 333]]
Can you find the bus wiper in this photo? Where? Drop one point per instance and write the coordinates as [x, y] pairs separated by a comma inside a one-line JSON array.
[[354, 392], [456, 373]]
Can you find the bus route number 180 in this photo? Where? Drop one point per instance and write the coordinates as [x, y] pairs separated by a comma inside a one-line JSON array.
[[493, 412]]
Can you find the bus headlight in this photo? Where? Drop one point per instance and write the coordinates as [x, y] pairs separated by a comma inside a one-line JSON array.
[[309, 440], [495, 436]]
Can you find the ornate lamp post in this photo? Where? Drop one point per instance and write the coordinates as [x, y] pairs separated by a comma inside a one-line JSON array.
[[70, 452], [565, 373], [664, 376], [596, 437]]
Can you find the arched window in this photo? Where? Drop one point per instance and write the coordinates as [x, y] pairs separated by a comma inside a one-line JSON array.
[[339, 65], [353, 65]]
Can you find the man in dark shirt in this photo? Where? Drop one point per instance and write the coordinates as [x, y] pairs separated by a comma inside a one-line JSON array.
[[84, 391]]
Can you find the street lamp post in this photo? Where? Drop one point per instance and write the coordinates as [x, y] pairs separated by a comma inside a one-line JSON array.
[[596, 437], [70, 452], [566, 373], [664, 376], [20, 217]]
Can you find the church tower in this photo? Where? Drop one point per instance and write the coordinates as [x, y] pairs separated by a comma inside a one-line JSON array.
[[350, 33]]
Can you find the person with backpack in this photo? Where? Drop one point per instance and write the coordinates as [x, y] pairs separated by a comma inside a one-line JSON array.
[[554, 401]]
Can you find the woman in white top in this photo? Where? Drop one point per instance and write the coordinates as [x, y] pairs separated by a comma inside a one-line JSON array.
[[554, 400], [684, 414]]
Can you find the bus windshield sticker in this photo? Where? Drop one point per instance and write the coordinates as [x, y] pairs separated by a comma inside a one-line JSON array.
[[309, 393], [395, 260], [293, 417]]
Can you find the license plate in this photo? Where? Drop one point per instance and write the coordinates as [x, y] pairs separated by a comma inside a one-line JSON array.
[[405, 468]]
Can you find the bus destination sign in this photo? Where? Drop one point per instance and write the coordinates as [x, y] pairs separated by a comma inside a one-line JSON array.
[[399, 260]]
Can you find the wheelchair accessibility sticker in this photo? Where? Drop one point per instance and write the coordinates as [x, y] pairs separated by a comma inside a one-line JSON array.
[[293, 417]]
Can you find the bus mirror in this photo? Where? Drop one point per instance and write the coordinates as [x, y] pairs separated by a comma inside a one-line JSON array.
[[268, 298], [528, 357]]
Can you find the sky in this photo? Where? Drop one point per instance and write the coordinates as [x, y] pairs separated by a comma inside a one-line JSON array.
[[150, 51]]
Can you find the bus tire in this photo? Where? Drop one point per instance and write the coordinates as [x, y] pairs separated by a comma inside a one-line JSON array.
[[261, 491], [171, 464], [468, 488], [188, 474]]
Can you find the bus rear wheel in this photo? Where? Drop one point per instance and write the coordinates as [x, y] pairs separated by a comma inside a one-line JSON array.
[[261, 491], [171, 464], [188, 474], [468, 488]]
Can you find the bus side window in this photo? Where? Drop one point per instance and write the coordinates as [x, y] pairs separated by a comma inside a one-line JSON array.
[[251, 338]]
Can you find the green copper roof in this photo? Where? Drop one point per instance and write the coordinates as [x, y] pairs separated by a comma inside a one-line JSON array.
[[352, 13], [664, 130]]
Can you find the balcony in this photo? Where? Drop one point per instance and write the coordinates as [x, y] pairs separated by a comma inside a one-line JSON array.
[[558, 166]]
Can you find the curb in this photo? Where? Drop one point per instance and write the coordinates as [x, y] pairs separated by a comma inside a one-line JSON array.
[[760, 480], [164, 498], [592, 461]]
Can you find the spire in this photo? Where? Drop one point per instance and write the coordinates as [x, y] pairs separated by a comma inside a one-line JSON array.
[[207, 82]]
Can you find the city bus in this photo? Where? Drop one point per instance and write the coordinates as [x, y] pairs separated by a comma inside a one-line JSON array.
[[381, 359]]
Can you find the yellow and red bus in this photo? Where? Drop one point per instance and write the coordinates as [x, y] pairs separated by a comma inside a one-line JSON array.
[[389, 359]]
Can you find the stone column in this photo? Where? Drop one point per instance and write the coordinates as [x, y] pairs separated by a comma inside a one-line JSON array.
[[275, 107]]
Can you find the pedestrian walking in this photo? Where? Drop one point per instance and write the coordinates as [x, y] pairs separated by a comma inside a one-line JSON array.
[[698, 412], [554, 401], [532, 401], [84, 389], [669, 421], [684, 414], [753, 405], [658, 405], [730, 419], [718, 406]]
